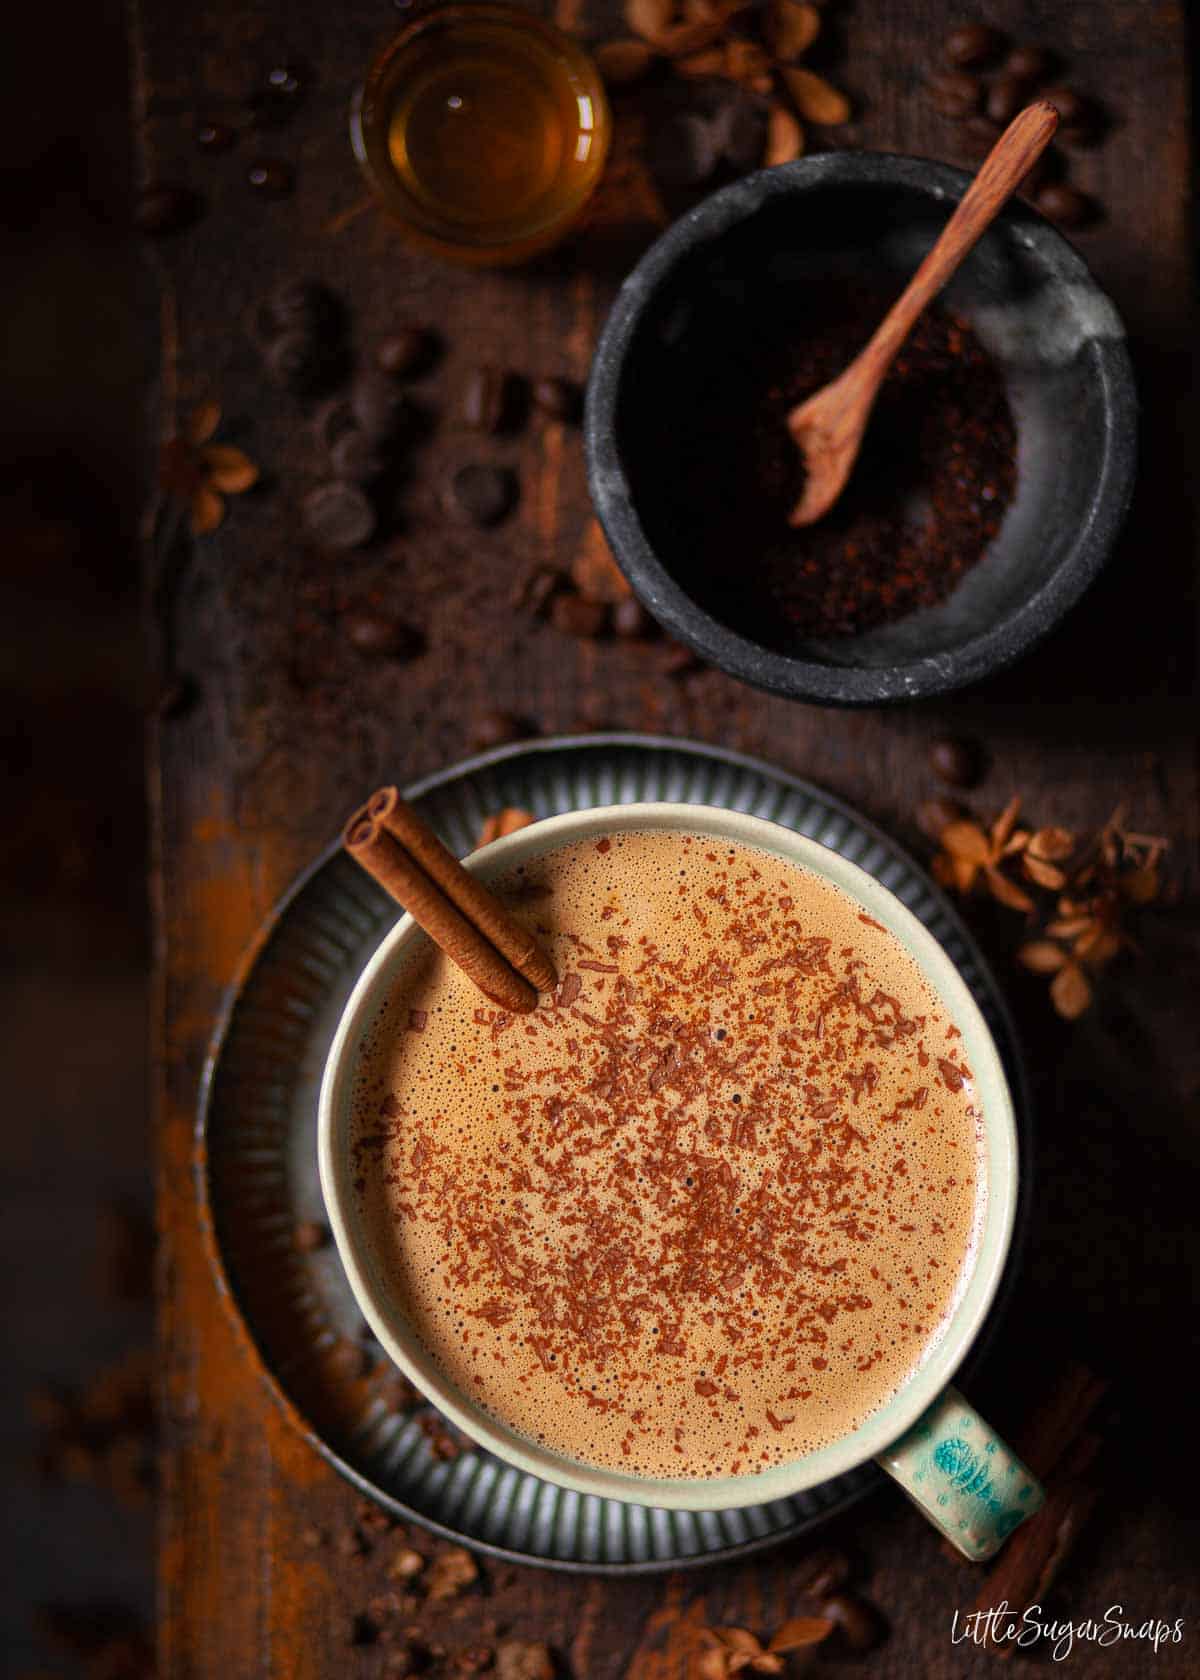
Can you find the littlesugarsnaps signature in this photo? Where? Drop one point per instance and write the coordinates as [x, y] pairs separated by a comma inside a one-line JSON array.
[[1002, 1625]]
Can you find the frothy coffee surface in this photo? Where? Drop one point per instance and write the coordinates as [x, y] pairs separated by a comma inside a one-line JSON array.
[[709, 1206]]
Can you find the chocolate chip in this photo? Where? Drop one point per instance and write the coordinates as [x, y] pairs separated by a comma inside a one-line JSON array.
[[684, 149], [299, 363], [956, 761], [299, 306], [1066, 205], [934, 816], [271, 177], [487, 399], [357, 458], [630, 620], [1005, 98], [382, 636], [861, 1626], [163, 209], [338, 515], [483, 494], [333, 421], [309, 1236], [404, 353], [954, 93], [557, 399], [215, 137], [1029, 64], [575, 616], [378, 404], [497, 729], [972, 45]]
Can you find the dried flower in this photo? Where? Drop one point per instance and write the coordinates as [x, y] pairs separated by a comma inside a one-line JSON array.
[[202, 473], [732, 1650], [970, 854]]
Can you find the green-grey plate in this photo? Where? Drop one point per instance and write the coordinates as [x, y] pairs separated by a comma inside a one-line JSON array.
[[256, 1159]]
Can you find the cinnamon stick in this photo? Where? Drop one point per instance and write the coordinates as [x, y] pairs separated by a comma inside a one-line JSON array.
[[463, 890], [382, 855]]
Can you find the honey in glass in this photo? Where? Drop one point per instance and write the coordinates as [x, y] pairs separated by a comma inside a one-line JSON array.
[[484, 129]]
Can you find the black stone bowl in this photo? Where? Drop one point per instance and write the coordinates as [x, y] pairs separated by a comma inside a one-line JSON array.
[[739, 265]]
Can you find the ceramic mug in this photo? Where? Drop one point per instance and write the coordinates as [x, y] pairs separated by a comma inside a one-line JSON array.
[[928, 1437]]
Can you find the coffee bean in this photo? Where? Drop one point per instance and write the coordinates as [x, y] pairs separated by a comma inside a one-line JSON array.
[[215, 137], [685, 149], [486, 399], [483, 494], [575, 616], [338, 515], [956, 761], [1043, 170], [954, 93], [163, 209], [271, 178], [299, 306], [357, 458], [557, 399], [1072, 107], [382, 636], [404, 353], [1005, 98], [934, 816], [860, 1624], [824, 1573], [300, 364], [379, 405], [1066, 205], [497, 729], [980, 134], [630, 620], [332, 421], [972, 45], [1029, 64]]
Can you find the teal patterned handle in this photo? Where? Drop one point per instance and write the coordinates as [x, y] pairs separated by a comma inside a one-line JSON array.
[[963, 1477]]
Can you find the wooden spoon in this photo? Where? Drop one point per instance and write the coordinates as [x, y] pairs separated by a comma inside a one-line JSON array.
[[828, 427]]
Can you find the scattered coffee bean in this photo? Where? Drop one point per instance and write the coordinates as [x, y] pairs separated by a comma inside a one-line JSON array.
[[825, 1573], [630, 620], [972, 45], [1043, 170], [381, 636], [483, 494], [309, 1236], [357, 458], [497, 729], [1005, 98], [299, 306], [338, 515], [1065, 204], [860, 1624], [487, 399], [576, 616], [404, 353], [980, 134], [1072, 107], [685, 148], [333, 421], [163, 209], [1030, 65], [557, 399], [215, 137], [934, 816], [299, 363], [956, 761], [954, 93], [271, 177], [743, 132], [378, 404]]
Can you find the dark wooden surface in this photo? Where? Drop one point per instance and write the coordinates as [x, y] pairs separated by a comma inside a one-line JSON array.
[[292, 727]]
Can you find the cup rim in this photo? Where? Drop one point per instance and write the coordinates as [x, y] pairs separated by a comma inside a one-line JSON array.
[[937, 1369]]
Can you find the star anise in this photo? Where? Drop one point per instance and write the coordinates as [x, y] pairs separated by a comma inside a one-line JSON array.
[[732, 1650], [758, 49], [202, 473], [971, 855]]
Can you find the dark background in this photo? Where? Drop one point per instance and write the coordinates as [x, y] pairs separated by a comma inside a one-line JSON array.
[[75, 1258]]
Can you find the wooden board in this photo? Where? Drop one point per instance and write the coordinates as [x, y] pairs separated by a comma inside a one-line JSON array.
[[291, 726]]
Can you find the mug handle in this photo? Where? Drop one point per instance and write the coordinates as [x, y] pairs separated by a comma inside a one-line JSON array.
[[959, 1473]]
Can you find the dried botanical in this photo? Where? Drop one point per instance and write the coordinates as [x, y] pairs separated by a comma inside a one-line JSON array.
[[756, 48], [731, 1650], [971, 855], [201, 473]]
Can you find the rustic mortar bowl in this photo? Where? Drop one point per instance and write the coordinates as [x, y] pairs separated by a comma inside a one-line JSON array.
[[739, 265]]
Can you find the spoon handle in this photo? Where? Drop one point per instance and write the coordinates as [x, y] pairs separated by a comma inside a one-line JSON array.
[[1003, 170]]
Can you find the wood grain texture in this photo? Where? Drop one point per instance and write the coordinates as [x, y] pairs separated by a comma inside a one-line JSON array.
[[293, 728]]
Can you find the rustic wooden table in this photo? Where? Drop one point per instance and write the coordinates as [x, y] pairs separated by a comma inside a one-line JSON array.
[[291, 725]]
